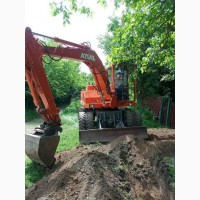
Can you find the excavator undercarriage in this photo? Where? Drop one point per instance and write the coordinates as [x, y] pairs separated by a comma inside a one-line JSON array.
[[107, 125]]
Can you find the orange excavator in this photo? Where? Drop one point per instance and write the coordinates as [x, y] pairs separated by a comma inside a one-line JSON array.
[[104, 114]]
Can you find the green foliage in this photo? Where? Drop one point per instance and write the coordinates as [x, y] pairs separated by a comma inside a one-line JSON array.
[[63, 77], [84, 80], [69, 137], [151, 84], [144, 33], [105, 44], [33, 172], [67, 8], [30, 115], [170, 161], [147, 117], [73, 106], [144, 36]]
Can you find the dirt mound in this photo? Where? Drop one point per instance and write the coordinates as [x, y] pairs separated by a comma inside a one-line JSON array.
[[123, 169]]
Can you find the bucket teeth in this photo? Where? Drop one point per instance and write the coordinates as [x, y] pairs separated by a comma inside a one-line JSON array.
[[41, 148]]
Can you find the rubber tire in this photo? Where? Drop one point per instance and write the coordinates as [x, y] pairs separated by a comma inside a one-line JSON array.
[[137, 119], [82, 120], [132, 118], [128, 121], [89, 119]]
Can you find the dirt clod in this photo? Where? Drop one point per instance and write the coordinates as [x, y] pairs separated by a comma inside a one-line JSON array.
[[123, 169]]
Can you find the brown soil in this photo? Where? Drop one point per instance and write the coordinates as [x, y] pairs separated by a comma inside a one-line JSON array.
[[123, 169]]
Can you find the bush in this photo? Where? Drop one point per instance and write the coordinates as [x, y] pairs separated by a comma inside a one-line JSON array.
[[73, 106], [30, 114], [147, 117]]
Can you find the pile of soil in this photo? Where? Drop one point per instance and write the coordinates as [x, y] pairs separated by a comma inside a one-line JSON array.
[[123, 169]]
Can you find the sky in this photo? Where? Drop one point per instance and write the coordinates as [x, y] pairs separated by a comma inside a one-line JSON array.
[[81, 29]]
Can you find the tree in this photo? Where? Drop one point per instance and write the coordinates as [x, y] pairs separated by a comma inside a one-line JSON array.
[[144, 35], [67, 7]]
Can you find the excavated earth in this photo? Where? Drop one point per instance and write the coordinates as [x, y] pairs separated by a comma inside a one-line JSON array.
[[125, 168]]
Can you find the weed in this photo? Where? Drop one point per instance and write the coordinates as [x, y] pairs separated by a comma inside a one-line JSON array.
[[170, 161], [147, 117], [121, 170], [72, 107], [33, 172]]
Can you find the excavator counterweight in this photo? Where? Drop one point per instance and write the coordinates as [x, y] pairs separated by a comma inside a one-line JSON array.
[[106, 107]]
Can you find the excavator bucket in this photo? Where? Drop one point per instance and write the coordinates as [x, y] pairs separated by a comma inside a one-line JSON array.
[[41, 148], [109, 134]]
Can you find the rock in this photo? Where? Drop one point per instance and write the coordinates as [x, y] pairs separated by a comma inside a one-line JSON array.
[[140, 164]]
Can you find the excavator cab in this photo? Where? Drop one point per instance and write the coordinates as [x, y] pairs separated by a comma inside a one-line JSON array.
[[121, 83]]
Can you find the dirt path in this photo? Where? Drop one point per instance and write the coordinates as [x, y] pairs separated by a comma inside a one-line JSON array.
[[123, 169], [30, 126]]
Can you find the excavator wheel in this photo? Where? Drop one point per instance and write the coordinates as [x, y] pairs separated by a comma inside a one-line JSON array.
[[82, 120], [89, 120], [86, 120], [128, 118], [132, 118], [137, 119]]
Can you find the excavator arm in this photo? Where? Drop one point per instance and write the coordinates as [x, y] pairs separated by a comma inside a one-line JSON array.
[[39, 87], [38, 82], [45, 139]]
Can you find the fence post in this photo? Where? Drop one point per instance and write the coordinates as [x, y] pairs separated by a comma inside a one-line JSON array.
[[169, 108], [162, 110]]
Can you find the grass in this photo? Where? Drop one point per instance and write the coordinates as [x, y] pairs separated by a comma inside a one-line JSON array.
[[33, 172], [30, 115], [171, 167], [147, 118], [68, 139]]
